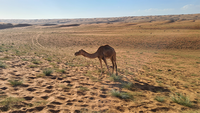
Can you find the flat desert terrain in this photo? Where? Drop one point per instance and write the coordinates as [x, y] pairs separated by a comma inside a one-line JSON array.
[[158, 67]]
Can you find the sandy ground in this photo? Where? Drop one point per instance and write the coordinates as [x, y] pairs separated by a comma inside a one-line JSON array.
[[158, 70]]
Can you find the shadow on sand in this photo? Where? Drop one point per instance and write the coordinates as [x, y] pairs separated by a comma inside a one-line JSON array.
[[138, 85]]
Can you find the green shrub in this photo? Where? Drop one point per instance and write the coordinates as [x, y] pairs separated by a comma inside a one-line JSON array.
[[33, 66], [121, 95], [181, 99], [49, 59], [115, 93], [83, 88], [160, 99], [15, 82], [35, 61], [128, 85], [40, 103], [2, 65], [47, 72]]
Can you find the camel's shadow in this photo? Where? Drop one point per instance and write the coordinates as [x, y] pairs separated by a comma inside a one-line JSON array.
[[137, 85], [151, 88]]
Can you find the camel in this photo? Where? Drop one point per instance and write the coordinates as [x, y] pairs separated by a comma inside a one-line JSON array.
[[102, 53]]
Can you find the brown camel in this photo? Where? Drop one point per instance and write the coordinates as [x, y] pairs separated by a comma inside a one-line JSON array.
[[103, 52]]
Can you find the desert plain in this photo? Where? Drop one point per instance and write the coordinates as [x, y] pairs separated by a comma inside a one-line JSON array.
[[158, 66]]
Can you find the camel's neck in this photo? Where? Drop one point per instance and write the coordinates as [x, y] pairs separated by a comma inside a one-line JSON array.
[[94, 55]]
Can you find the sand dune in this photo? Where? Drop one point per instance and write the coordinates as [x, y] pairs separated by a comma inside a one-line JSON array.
[[69, 25], [9, 25]]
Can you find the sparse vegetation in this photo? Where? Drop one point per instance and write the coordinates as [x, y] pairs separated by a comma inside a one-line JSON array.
[[83, 89], [53, 64], [61, 71], [115, 78], [15, 82], [5, 58], [128, 85], [191, 111], [181, 99], [40, 103], [70, 64], [33, 66], [10, 103], [160, 98], [24, 59], [2, 65], [48, 71], [93, 78], [128, 72], [49, 59], [35, 61], [121, 95], [62, 86]]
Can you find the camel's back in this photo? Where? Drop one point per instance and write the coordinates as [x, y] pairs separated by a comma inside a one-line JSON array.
[[106, 51]]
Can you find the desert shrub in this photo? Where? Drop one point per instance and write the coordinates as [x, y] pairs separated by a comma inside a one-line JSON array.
[[121, 95], [115, 78], [9, 103], [33, 66], [40, 103], [2, 65], [181, 99], [61, 71], [49, 59], [160, 98], [128, 85], [15, 82], [35, 61], [48, 72], [115, 93]]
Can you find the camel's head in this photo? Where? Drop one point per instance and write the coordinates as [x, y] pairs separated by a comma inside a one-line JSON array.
[[80, 52]]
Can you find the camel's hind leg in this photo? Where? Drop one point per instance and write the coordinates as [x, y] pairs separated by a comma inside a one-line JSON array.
[[116, 67], [114, 63]]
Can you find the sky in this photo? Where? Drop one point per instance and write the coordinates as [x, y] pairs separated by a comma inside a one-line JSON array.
[[70, 9]]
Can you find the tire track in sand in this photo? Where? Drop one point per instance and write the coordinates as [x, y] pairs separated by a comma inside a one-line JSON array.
[[37, 38], [35, 42]]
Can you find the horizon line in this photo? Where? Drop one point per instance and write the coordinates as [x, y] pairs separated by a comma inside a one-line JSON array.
[[94, 17]]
